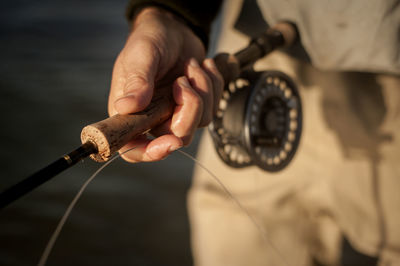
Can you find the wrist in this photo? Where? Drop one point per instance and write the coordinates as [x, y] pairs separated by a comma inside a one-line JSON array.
[[165, 19], [154, 12], [161, 12]]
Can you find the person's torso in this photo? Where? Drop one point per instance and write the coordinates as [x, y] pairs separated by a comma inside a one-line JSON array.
[[356, 35]]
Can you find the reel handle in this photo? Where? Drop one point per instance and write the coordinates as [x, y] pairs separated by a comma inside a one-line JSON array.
[[111, 134]]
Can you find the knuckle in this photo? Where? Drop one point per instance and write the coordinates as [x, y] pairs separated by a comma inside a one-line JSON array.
[[216, 77], [196, 100], [146, 45], [200, 79], [135, 80]]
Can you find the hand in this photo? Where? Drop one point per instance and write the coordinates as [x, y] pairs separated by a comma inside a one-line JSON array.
[[162, 50]]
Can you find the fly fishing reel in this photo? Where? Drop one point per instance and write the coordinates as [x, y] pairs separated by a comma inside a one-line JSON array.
[[259, 121]]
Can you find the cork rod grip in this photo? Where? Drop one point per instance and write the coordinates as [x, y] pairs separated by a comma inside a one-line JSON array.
[[111, 134]]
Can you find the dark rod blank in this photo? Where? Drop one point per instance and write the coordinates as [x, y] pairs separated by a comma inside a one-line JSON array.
[[25, 186]]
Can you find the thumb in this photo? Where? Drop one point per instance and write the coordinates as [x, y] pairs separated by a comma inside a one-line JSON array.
[[133, 77]]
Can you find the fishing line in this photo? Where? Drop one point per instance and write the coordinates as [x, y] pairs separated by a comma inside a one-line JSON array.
[[57, 231], [240, 205]]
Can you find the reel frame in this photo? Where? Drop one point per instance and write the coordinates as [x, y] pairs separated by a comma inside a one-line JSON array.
[[259, 121]]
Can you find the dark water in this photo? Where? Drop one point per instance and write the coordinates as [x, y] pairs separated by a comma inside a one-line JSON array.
[[56, 60]]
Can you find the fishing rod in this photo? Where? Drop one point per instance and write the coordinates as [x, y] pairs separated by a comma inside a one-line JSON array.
[[261, 136]]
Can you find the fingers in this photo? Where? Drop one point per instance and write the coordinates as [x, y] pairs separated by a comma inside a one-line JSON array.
[[133, 77], [209, 84], [202, 84], [196, 96], [217, 81], [146, 150], [196, 100], [187, 113], [174, 133]]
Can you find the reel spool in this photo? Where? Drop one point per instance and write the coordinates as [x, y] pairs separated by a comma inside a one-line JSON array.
[[259, 121]]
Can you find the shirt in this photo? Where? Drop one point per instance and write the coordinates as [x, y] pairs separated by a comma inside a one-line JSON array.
[[355, 35]]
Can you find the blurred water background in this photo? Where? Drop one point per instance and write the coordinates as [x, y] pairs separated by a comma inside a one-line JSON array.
[[56, 60]]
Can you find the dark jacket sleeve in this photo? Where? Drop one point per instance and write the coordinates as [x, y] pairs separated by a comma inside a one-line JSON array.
[[197, 14]]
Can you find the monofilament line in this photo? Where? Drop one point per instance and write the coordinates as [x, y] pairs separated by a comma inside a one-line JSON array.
[[56, 233], [234, 199]]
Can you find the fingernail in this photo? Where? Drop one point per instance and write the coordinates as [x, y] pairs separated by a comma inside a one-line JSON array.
[[184, 82], [193, 62], [173, 148]]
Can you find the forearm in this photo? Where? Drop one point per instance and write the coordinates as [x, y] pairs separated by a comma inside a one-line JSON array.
[[197, 14]]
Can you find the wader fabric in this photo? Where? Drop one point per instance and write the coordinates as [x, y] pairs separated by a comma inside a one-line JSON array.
[[343, 182]]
